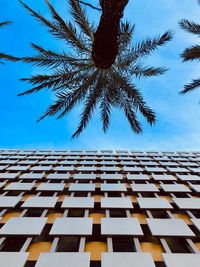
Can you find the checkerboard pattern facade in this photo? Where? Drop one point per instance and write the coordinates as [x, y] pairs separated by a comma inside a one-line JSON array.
[[99, 208]]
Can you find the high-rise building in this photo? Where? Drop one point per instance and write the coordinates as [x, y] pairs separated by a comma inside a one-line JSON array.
[[99, 208]]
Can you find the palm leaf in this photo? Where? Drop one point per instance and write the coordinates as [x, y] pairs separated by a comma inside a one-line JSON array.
[[79, 93], [90, 104], [81, 19], [130, 112], [191, 86], [68, 29], [49, 58], [60, 29], [191, 53], [142, 71], [56, 80], [125, 35], [3, 55], [45, 81], [148, 46], [190, 26], [141, 49], [4, 23], [8, 57], [105, 106], [59, 104], [136, 97]]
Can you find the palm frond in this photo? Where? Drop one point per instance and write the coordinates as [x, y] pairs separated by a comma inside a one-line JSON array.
[[143, 71], [56, 80], [191, 86], [8, 57], [79, 94], [125, 35], [4, 23], [45, 81], [191, 53], [141, 49], [3, 55], [148, 46], [190, 26], [59, 28], [81, 19], [136, 98], [58, 105], [130, 112], [90, 104], [51, 59], [68, 29], [105, 107], [43, 20]]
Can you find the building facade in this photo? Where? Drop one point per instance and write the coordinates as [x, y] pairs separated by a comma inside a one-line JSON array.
[[99, 209]]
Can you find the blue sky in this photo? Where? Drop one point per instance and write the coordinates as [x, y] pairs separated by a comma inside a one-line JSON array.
[[177, 127]]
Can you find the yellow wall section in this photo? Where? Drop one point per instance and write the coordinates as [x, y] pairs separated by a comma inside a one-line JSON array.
[[97, 217], [26, 196], [9, 215], [61, 197], [167, 198], [53, 216], [96, 248], [97, 198], [154, 248], [183, 217], [133, 198], [140, 216], [36, 248], [197, 245], [98, 185]]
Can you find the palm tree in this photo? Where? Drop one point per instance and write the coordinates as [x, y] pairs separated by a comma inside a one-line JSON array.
[[75, 78], [192, 53], [3, 55]]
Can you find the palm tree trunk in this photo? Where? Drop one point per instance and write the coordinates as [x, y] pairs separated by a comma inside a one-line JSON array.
[[105, 45]]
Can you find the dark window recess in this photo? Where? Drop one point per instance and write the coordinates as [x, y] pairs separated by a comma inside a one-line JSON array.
[[28, 180], [147, 237], [95, 264], [47, 194], [180, 194], [30, 264], [159, 214], [159, 264], [34, 212], [147, 194], [76, 213], [68, 244], [117, 213], [13, 193], [13, 244], [81, 194], [196, 213], [139, 182], [114, 194], [122, 244], [45, 234], [195, 231], [96, 232], [177, 245]]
